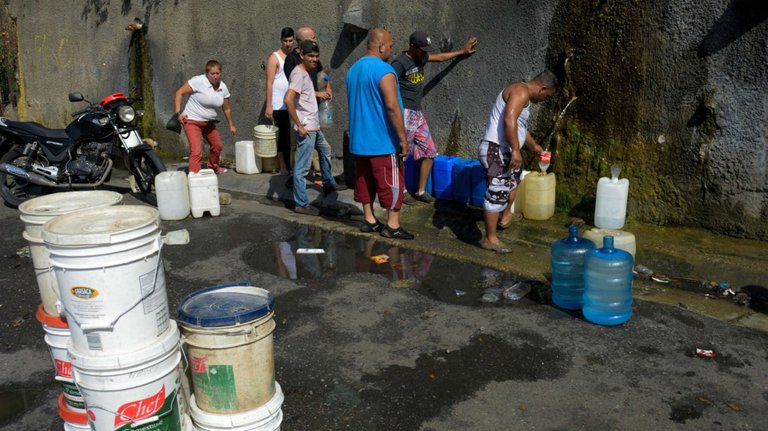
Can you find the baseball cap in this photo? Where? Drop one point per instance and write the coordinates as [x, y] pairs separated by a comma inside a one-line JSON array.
[[421, 40], [308, 46]]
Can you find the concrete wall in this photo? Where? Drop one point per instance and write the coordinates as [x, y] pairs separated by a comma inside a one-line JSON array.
[[675, 90]]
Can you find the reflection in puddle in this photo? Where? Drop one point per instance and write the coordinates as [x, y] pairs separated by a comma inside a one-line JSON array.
[[15, 402], [332, 254]]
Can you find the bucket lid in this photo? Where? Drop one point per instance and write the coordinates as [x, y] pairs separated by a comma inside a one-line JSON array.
[[99, 226], [49, 319], [55, 204], [250, 417], [225, 305], [90, 361], [69, 415]]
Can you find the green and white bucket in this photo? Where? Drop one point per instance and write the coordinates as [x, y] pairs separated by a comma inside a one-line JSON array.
[[110, 277], [135, 391], [227, 334]]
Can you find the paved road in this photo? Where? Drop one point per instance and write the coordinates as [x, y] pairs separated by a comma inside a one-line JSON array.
[[409, 346]]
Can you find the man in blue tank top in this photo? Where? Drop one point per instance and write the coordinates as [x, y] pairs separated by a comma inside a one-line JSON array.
[[377, 135]]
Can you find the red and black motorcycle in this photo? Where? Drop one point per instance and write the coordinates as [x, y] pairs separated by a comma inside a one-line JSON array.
[[42, 160]]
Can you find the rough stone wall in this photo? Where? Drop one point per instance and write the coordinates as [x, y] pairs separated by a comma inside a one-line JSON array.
[[675, 90]]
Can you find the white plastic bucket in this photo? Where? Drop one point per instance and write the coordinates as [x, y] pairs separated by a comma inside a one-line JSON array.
[[227, 334], [134, 391], [110, 276], [57, 337], [265, 418], [46, 279], [35, 212], [172, 195], [245, 158], [265, 139], [73, 420], [621, 239], [204, 193]]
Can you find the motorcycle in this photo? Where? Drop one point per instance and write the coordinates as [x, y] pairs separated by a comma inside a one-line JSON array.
[[42, 160]]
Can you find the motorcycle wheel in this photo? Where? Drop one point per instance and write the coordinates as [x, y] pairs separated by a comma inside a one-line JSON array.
[[15, 190], [146, 166]]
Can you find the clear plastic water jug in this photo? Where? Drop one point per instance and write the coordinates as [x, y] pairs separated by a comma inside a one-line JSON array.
[[611, 204], [204, 193], [172, 192], [245, 158], [607, 285], [568, 269]]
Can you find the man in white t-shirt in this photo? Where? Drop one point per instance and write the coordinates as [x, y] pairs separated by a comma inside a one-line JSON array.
[[301, 102]]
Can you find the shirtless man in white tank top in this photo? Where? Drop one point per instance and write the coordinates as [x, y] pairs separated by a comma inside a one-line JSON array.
[[499, 151]]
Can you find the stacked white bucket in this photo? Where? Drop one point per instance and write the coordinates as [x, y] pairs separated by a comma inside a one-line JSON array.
[[35, 213], [227, 334], [124, 349]]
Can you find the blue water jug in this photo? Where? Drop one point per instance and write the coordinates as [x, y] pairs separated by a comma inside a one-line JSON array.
[[441, 176], [461, 180], [568, 269], [412, 170], [607, 285], [477, 193]]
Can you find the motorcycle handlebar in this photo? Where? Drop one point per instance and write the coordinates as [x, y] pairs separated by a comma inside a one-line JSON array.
[[89, 108]]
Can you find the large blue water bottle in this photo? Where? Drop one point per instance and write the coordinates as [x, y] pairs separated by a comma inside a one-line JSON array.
[[607, 285], [568, 269]]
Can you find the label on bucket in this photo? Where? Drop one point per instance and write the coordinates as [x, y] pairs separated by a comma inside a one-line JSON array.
[[215, 383], [63, 368], [165, 408]]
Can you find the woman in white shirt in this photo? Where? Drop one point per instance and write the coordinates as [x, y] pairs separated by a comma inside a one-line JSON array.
[[207, 93]]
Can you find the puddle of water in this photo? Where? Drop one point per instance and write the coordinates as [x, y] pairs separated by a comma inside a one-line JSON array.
[[16, 401], [444, 279]]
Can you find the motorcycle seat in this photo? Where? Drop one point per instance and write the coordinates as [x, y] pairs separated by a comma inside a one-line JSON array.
[[36, 129]]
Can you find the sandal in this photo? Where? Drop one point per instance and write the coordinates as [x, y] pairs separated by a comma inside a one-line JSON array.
[[498, 247], [514, 218]]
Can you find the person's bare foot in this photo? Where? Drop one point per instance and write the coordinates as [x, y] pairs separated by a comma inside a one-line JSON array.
[[498, 247], [505, 223]]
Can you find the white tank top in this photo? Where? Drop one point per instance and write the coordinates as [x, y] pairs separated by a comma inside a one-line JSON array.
[[279, 85], [494, 129]]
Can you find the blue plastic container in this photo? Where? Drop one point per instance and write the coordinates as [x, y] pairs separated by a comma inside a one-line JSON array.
[[477, 194], [607, 285], [412, 169], [441, 176], [568, 269], [461, 181]]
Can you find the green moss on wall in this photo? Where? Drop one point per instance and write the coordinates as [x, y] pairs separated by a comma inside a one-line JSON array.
[[580, 160], [140, 81]]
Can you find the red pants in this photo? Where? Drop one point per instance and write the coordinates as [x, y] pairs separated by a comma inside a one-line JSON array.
[[382, 175], [196, 131]]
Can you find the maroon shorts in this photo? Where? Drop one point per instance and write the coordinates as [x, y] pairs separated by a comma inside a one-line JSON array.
[[380, 175]]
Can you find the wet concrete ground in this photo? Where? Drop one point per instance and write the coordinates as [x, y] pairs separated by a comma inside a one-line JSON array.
[[406, 344]]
